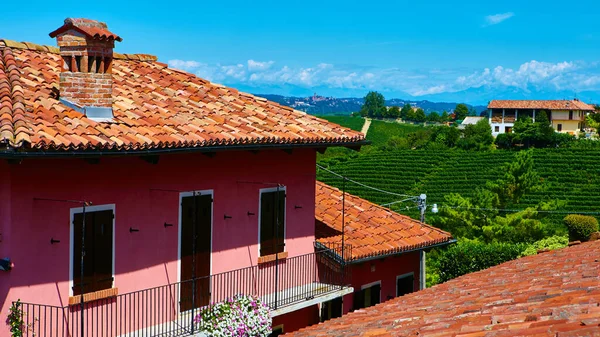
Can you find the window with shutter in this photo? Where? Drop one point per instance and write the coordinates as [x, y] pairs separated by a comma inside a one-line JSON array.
[[98, 258], [272, 222]]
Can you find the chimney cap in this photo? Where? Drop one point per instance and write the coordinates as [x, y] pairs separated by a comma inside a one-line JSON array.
[[92, 28]]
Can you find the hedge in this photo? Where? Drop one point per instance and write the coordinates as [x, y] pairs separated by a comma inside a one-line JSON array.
[[580, 227], [470, 256]]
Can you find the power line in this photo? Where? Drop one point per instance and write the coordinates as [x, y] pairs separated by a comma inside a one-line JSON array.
[[363, 185], [516, 210], [411, 198]]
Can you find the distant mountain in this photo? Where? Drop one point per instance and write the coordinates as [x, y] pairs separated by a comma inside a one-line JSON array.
[[510, 92], [319, 105]]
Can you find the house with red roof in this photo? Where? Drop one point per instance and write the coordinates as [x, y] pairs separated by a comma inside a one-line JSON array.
[[567, 116], [133, 194], [384, 252], [556, 293]]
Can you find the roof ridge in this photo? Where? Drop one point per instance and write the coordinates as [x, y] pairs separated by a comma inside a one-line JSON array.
[[56, 50]]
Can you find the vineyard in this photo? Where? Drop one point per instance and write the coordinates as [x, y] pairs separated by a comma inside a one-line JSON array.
[[381, 131], [354, 123], [567, 174]]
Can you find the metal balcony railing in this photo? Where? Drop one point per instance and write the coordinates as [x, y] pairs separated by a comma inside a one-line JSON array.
[[169, 310]]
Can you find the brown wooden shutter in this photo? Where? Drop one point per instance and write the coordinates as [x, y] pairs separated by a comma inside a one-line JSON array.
[[103, 249]]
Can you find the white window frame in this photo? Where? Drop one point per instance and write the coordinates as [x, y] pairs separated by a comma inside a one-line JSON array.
[[89, 209], [267, 190], [369, 285], [212, 220], [412, 273]]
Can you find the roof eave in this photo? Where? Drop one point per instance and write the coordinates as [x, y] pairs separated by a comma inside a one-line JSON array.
[[381, 256], [12, 152]]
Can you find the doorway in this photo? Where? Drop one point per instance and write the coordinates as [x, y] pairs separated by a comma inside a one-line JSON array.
[[195, 239]]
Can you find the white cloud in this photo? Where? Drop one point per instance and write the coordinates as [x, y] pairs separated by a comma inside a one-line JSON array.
[[567, 75], [259, 66], [498, 18], [184, 65]]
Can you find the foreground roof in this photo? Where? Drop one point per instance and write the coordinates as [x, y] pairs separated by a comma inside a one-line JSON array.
[[371, 230], [574, 104], [155, 107], [552, 294]]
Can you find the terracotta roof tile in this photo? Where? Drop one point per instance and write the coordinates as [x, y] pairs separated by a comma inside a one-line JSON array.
[[91, 28], [541, 104], [551, 294], [153, 107], [370, 229]]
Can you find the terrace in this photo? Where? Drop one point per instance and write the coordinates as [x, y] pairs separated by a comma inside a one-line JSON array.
[[285, 285]]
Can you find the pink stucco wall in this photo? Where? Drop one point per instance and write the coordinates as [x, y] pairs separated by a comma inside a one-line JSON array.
[[384, 270], [146, 258]]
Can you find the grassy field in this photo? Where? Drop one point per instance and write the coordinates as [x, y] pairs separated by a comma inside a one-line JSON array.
[[571, 175], [354, 123], [381, 131]]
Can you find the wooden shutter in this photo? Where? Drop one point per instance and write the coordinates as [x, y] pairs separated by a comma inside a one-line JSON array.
[[272, 232], [103, 248], [375, 294], [359, 300], [267, 226], [280, 240], [88, 277], [97, 262]]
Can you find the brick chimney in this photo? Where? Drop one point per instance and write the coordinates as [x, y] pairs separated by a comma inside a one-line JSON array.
[[86, 47]]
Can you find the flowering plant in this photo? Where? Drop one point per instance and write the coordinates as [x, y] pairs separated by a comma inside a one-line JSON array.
[[239, 316], [15, 319]]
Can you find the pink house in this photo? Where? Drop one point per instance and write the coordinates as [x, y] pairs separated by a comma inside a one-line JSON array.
[[384, 252], [132, 194]]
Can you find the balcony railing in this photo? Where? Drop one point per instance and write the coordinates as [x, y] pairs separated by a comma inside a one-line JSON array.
[[169, 310]]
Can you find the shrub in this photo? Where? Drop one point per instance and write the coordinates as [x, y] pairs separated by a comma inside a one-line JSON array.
[[580, 227], [504, 140], [240, 316], [470, 256], [553, 242]]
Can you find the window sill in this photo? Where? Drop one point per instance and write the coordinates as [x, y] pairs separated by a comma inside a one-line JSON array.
[[94, 296], [272, 257]]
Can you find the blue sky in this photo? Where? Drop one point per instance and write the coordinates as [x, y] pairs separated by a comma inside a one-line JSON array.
[[440, 50]]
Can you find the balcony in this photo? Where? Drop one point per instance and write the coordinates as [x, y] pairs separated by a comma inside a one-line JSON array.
[[284, 285]]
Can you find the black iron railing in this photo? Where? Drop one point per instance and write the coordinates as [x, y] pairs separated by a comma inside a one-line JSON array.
[[169, 310]]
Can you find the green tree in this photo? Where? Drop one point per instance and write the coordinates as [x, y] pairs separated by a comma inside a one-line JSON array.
[[374, 105], [461, 111], [406, 109], [445, 117], [433, 117], [593, 121], [477, 136], [482, 217], [394, 112], [420, 115], [519, 178], [537, 134]]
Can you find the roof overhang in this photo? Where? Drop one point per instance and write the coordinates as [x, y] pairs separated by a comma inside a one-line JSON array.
[[12, 153], [384, 255]]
